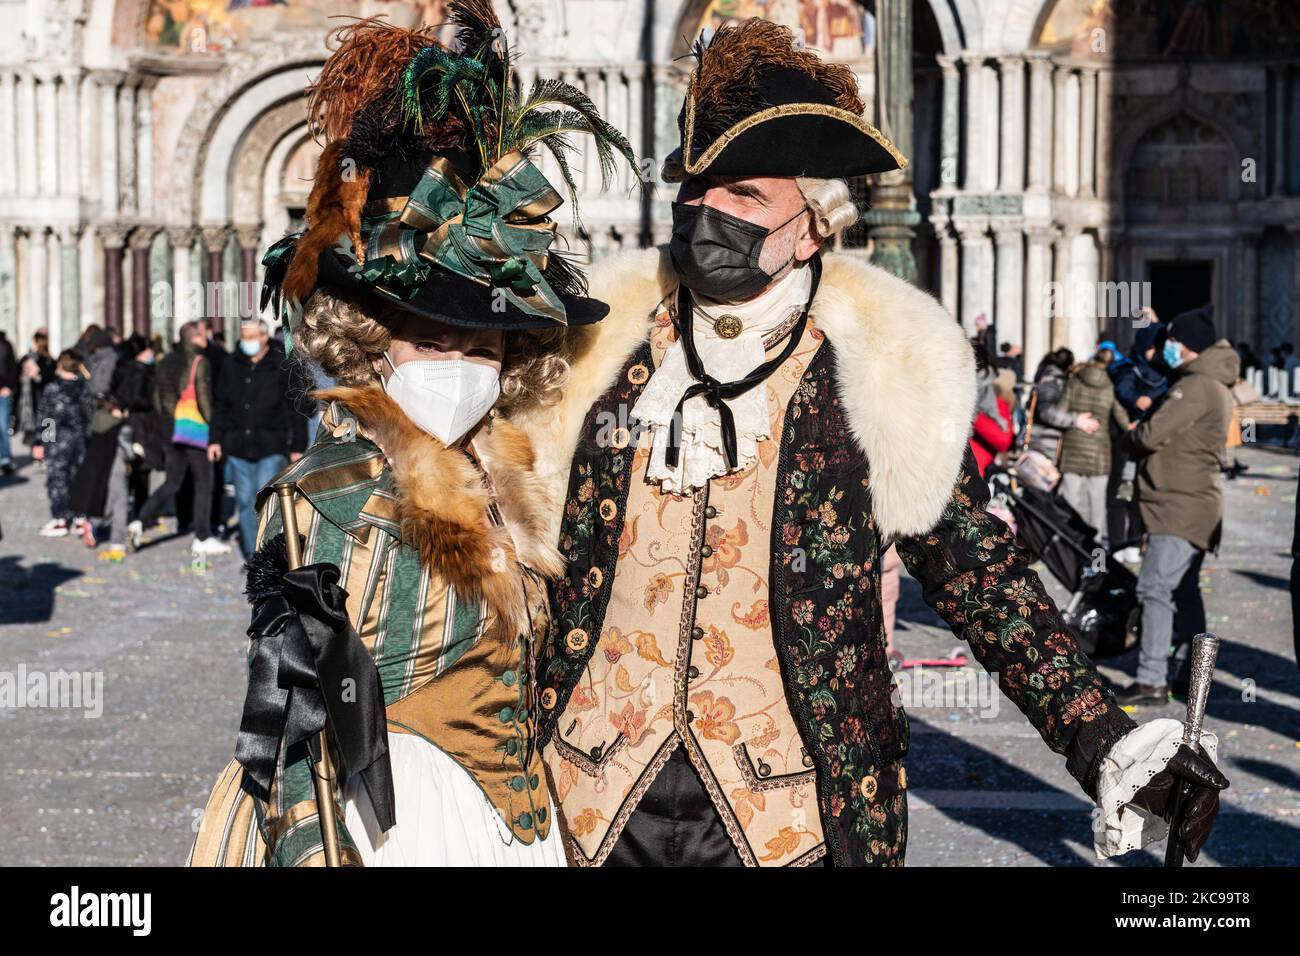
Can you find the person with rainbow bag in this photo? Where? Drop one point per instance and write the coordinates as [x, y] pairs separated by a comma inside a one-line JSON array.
[[183, 393]]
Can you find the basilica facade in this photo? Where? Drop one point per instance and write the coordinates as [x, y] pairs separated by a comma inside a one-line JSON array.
[[1072, 160]]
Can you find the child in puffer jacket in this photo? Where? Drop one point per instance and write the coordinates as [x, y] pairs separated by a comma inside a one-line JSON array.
[[63, 421]]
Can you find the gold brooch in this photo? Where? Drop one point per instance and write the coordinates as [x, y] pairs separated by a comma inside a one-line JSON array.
[[728, 326]]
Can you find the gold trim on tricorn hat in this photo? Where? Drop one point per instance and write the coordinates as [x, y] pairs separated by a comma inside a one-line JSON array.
[[778, 112]]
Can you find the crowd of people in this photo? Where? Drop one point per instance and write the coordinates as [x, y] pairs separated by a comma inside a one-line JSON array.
[[104, 415], [1136, 444]]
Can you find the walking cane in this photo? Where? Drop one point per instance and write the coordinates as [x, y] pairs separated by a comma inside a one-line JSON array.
[[1205, 649], [322, 764]]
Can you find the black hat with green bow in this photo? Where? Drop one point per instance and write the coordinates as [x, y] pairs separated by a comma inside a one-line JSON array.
[[426, 197]]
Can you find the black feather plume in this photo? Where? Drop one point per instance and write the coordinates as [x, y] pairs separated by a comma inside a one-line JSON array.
[[264, 572]]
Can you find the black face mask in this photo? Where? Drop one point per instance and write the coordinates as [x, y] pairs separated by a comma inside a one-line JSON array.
[[716, 254]]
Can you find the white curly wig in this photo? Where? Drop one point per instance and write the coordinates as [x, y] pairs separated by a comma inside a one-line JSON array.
[[831, 203]]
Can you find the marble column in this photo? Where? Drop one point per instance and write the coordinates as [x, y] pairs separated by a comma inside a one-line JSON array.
[[127, 139], [70, 133], [9, 287], [1038, 270], [893, 219], [144, 148], [110, 193], [141, 299], [247, 237], [47, 103], [90, 263], [113, 238], [990, 131], [950, 124], [54, 289], [949, 276], [1114, 322], [181, 239], [1280, 138], [29, 159], [1073, 127], [9, 126], [70, 282], [36, 293], [1063, 312], [214, 243], [1105, 112], [1010, 264], [976, 271], [1248, 314], [88, 106], [1088, 133], [975, 108], [1060, 117], [1011, 178]]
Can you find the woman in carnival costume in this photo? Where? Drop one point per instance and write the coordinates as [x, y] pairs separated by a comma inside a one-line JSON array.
[[425, 286]]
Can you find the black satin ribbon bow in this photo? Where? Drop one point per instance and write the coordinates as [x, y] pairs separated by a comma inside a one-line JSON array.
[[715, 392], [310, 664]]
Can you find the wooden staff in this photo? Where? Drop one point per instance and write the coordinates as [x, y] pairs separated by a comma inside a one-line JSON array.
[[322, 764]]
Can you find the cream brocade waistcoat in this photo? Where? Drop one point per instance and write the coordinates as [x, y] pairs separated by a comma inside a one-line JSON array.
[[686, 658]]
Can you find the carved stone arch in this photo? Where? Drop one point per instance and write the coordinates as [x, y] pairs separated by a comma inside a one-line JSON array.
[[250, 166], [1128, 138], [959, 25], [1019, 23], [245, 69]]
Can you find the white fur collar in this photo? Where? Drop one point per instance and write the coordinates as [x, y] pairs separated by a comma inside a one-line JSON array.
[[904, 370]]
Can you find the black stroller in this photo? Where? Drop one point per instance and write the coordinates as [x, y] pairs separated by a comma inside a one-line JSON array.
[[1103, 611]]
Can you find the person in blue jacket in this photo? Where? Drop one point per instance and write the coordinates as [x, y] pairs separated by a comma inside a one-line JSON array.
[[1138, 384]]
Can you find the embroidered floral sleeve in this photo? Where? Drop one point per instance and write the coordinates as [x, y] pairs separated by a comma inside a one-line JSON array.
[[978, 580]]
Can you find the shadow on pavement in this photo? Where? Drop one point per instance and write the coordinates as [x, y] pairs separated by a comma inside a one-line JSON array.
[[27, 594], [937, 759], [1265, 580]]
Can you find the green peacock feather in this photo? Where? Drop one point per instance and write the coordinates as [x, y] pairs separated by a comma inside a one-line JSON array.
[[478, 83], [534, 118]]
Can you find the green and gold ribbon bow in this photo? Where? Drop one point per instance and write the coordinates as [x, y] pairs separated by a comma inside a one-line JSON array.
[[491, 233]]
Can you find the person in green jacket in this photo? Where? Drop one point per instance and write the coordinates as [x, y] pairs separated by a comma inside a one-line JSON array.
[[1180, 446], [1085, 455]]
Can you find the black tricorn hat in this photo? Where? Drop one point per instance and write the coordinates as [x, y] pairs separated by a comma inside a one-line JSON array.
[[759, 106]]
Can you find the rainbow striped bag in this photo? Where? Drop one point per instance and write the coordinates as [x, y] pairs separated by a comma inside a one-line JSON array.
[[188, 427]]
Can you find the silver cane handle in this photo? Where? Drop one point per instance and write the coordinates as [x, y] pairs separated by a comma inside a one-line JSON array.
[[1205, 650]]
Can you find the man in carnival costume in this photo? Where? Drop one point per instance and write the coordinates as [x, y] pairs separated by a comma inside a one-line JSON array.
[[743, 437]]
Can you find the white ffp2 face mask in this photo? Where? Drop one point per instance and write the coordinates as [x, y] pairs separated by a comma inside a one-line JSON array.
[[444, 397]]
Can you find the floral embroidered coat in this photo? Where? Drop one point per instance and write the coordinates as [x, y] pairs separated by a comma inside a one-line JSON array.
[[874, 450]]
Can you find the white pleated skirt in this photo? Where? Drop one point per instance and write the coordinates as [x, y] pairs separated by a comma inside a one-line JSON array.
[[443, 818]]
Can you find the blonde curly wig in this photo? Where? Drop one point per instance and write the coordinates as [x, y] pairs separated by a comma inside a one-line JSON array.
[[343, 339]]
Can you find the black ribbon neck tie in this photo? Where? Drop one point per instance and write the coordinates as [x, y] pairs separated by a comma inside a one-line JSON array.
[[715, 392], [310, 667]]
